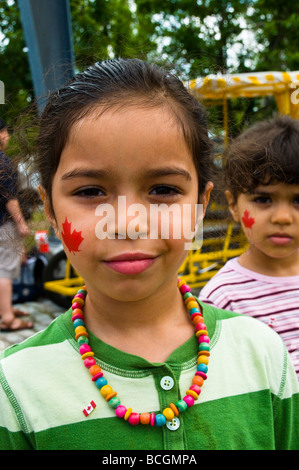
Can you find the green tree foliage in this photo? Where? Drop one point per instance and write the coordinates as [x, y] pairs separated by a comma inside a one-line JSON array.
[[104, 29], [14, 66], [200, 38], [193, 37], [275, 26]]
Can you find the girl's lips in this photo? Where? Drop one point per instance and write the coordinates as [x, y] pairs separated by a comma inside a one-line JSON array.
[[130, 263], [280, 239]]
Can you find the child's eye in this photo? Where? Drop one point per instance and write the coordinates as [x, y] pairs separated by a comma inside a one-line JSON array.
[[164, 190], [262, 200], [89, 192]]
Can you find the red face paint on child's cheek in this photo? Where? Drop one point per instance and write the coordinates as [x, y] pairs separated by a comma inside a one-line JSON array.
[[247, 220], [72, 239]]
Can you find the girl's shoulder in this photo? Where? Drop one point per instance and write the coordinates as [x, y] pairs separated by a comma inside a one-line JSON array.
[[229, 273], [228, 325], [222, 284], [233, 277]]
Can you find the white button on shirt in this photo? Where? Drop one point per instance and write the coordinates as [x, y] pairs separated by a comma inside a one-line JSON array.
[[173, 425], [167, 382]]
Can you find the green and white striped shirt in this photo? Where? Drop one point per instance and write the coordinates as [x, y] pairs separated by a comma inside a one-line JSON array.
[[249, 401]]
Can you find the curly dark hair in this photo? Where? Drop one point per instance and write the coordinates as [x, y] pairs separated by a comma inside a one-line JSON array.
[[266, 153]]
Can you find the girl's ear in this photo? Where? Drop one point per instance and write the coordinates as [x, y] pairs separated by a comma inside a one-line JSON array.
[[206, 196], [232, 205], [48, 210]]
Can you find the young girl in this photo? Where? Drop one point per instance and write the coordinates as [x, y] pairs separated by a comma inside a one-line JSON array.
[[137, 362], [262, 174]]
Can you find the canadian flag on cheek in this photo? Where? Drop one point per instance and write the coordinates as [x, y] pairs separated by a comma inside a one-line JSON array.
[[89, 408], [71, 238]]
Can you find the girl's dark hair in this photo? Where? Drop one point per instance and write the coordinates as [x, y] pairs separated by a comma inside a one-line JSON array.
[[117, 83], [266, 153]]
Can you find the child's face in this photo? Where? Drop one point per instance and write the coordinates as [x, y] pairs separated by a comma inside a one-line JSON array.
[[270, 218], [140, 155]]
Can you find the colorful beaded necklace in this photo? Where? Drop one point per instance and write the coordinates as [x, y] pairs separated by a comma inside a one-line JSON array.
[[174, 409]]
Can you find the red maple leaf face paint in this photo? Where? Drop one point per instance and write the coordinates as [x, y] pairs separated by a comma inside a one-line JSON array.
[[247, 220], [72, 239]]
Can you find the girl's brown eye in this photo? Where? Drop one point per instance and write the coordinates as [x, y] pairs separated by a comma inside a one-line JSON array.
[[165, 190], [262, 200], [89, 192]]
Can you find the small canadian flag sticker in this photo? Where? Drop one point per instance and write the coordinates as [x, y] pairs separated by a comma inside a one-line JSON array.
[[89, 408]]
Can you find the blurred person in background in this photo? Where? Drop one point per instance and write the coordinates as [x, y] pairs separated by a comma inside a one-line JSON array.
[[13, 229]]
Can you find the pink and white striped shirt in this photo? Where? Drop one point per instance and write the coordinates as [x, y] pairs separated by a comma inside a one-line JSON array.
[[273, 300]]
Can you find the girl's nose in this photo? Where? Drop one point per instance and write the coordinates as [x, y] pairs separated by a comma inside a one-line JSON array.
[[131, 219], [282, 214]]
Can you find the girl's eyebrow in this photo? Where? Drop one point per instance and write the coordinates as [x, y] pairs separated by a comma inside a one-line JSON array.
[[260, 193], [168, 171], [84, 173], [269, 192], [102, 173]]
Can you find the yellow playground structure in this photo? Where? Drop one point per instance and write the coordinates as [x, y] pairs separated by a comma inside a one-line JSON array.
[[283, 86], [222, 238]]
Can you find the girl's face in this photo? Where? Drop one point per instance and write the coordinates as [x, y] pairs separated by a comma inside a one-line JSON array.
[[110, 162], [270, 219]]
